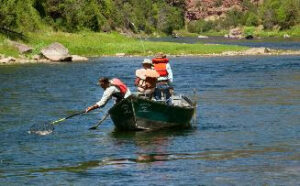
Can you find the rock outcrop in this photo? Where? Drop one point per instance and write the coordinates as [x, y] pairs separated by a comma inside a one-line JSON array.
[[212, 9], [56, 52]]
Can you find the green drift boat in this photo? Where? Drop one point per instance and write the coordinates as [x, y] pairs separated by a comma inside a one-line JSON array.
[[139, 113]]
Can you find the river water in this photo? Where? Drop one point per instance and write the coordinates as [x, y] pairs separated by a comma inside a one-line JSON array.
[[272, 43], [246, 132]]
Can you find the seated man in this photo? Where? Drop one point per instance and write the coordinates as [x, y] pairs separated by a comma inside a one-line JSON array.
[[146, 79], [163, 86], [112, 88]]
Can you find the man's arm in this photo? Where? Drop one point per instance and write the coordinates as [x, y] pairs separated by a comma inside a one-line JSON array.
[[107, 95], [170, 73]]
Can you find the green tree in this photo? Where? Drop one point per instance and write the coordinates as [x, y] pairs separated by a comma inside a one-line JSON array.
[[252, 19], [233, 18], [19, 15], [169, 19]]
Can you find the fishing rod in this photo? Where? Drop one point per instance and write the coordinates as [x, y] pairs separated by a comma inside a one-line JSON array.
[[135, 30]]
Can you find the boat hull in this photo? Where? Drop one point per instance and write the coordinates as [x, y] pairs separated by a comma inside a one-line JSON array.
[[135, 113]]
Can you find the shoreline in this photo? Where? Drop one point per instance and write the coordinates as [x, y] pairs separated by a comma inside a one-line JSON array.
[[96, 45], [223, 54]]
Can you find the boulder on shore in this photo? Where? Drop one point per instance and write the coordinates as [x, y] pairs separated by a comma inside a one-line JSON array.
[[120, 54], [79, 58], [22, 48], [286, 36], [235, 33], [260, 50], [202, 37], [7, 60], [56, 52]]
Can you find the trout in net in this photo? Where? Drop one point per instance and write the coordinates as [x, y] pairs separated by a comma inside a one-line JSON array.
[[47, 128], [41, 129]]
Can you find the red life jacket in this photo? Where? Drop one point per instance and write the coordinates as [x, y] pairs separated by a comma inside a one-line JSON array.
[[121, 86], [160, 65]]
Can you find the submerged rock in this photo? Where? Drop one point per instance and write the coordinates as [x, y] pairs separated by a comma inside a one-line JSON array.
[[56, 52]]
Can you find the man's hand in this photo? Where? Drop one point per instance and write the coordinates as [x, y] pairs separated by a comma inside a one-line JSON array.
[[91, 108]]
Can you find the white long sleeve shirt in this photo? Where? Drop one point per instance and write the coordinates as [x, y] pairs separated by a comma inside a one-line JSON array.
[[108, 93], [170, 74]]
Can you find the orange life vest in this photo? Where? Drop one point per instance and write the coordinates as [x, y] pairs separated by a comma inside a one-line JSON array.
[[118, 83], [160, 65]]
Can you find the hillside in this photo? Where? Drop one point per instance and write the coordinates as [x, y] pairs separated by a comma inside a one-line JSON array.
[[214, 9]]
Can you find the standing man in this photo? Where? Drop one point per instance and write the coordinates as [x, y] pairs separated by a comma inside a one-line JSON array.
[[146, 79], [163, 86], [112, 88]]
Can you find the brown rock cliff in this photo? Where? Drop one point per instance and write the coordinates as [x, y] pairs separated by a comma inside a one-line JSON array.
[[212, 9]]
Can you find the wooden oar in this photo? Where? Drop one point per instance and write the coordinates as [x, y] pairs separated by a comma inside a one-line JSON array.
[[99, 123]]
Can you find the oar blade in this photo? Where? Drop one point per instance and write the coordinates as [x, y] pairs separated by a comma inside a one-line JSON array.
[[99, 123], [93, 128]]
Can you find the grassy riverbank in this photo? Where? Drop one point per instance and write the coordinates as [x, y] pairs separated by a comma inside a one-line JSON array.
[[257, 32], [91, 44]]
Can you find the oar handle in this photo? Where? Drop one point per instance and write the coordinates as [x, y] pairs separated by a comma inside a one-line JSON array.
[[62, 119], [78, 113]]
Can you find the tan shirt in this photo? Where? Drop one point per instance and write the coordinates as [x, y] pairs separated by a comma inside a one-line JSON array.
[[147, 79]]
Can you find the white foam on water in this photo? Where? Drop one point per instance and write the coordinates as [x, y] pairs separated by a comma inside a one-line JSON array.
[[41, 133]]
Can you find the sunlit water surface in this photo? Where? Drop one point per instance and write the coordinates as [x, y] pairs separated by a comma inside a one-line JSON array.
[[247, 130]]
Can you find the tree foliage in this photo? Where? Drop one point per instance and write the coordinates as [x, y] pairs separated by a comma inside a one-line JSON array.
[[138, 15], [95, 15]]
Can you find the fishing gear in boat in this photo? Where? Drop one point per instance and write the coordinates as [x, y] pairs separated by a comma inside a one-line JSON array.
[[47, 128]]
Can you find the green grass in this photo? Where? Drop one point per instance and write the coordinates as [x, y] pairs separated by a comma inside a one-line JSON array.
[[293, 32], [6, 49], [100, 44], [92, 44], [256, 31]]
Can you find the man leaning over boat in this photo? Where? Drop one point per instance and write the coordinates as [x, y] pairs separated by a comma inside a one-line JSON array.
[[112, 88]]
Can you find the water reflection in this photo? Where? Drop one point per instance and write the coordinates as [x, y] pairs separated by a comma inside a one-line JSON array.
[[161, 157]]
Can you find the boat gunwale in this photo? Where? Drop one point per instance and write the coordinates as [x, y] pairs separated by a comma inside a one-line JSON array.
[[134, 97]]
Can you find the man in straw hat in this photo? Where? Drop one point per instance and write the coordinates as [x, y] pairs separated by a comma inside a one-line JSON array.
[[146, 78], [163, 87]]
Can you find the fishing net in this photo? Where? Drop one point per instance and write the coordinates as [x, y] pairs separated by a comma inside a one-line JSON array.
[[41, 128]]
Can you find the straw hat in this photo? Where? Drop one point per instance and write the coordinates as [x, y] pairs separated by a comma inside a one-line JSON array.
[[147, 61], [151, 73], [143, 73], [160, 55]]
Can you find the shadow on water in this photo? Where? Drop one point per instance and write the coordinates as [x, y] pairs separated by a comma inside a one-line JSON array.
[[156, 157]]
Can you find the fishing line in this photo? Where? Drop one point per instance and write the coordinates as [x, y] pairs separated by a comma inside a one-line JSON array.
[[132, 24]]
